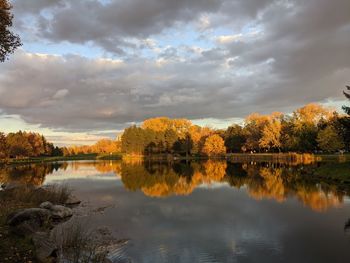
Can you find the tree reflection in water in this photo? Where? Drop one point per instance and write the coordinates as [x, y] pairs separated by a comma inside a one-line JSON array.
[[157, 179]]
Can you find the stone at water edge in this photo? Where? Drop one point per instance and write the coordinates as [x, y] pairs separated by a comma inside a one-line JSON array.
[[61, 212], [72, 200], [46, 205], [57, 211], [28, 221]]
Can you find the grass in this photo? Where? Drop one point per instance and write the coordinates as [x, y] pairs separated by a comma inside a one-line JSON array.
[[238, 157], [14, 248], [92, 156], [35, 196], [78, 244]]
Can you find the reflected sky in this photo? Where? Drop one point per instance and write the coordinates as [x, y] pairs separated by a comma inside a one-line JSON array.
[[213, 211]]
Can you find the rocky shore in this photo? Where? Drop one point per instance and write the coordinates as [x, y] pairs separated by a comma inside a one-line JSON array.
[[48, 221]]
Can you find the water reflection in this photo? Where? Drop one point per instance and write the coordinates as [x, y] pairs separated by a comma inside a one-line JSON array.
[[156, 179]]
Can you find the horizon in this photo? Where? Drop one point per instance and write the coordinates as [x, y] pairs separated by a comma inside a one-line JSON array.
[[78, 80]]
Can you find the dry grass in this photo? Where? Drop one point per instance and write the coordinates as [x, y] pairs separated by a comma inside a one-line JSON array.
[[77, 244], [14, 248], [56, 194]]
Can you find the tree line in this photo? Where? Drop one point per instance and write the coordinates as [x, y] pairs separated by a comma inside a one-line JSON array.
[[309, 129], [29, 144], [26, 144], [103, 146], [312, 128]]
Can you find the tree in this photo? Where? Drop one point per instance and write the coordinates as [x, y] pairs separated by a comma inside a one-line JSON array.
[[133, 140], [347, 95], [3, 146], [329, 140], [305, 125], [234, 138], [8, 41], [19, 145], [170, 137], [271, 138], [214, 145], [312, 113], [183, 146], [253, 128]]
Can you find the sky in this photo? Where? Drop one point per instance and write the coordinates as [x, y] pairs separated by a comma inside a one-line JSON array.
[[89, 68]]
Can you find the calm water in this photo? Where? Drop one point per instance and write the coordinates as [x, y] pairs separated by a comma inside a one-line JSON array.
[[211, 211]]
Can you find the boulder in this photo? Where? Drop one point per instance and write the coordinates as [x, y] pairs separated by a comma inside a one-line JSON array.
[[28, 221], [45, 249], [57, 211], [72, 200], [46, 205], [60, 212]]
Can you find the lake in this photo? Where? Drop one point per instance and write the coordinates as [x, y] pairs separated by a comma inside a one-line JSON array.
[[211, 211]]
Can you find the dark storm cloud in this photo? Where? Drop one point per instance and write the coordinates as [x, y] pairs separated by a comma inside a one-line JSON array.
[[285, 54]]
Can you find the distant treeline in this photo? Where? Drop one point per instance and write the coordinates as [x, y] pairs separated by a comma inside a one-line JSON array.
[[26, 144], [102, 146], [312, 128], [29, 144]]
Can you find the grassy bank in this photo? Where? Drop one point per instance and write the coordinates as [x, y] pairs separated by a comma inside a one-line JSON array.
[[233, 157], [79, 157]]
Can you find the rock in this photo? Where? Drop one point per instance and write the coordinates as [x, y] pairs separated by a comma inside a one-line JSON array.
[[46, 205], [46, 250], [72, 200], [60, 212], [28, 221], [57, 211]]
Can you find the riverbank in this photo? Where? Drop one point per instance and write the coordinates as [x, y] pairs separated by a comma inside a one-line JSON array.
[[292, 158], [80, 157]]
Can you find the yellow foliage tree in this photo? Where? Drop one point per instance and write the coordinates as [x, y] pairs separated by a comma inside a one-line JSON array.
[[161, 124], [271, 136], [214, 145]]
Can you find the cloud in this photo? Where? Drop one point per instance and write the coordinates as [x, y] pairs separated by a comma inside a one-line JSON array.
[[226, 39], [60, 94], [289, 53]]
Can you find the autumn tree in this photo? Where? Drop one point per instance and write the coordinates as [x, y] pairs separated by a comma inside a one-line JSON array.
[[106, 146], [214, 145], [311, 114], [3, 146], [19, 145], [184, 146], [8, 40], [253, 129], [329, 140], [170, 137], [198, 135], [271, 137], [133, 140], [305, 125], [161, 124], [234, 138]]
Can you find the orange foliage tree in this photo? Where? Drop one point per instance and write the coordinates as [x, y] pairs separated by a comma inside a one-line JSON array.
[[214, 145]]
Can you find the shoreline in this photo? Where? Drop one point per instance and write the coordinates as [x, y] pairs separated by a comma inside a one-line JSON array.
[[233, 157]]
